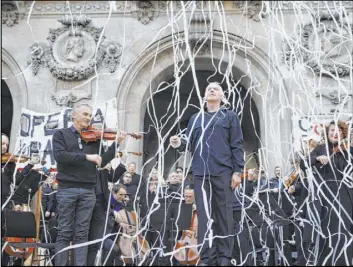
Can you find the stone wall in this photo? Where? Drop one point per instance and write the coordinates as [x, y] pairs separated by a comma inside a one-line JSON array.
[[138, 52]]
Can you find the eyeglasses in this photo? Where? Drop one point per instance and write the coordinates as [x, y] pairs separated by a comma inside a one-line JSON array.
[[79, 142], [128, 176]]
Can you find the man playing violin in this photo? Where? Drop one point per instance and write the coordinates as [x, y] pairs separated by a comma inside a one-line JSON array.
[[77, 163]]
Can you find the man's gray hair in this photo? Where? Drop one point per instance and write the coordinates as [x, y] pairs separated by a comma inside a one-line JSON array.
[[80, 105], [117, 188]]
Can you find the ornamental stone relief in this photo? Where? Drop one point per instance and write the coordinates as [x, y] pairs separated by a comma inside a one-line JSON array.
[[252, 9], [10, 12], [71, 52], [146, 11], [73, 55], [325, 46]]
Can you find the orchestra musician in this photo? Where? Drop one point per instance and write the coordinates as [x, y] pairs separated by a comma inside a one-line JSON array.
[[332, 205], [97, 224], [7, 172], [218, 160], [8, 168], [119, 200], [77, 163]]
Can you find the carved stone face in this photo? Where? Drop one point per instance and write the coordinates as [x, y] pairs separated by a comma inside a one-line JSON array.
[[74, 48]]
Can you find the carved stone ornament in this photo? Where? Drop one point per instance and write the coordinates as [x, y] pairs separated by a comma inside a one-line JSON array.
[[252, 9], [86, 7], [38, 52], [113, 52], [326, 47], [10, 13], [145, 12], [73, 53], [67, 93], [335, 97]]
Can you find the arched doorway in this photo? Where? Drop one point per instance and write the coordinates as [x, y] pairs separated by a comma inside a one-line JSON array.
[[248, 64], [164, 114], [6, 109], [13, 76]]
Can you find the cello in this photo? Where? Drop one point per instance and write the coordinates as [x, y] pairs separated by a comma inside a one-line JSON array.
[[186, 248], [130, 244]]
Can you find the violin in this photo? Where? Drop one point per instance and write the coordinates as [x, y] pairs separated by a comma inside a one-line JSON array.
[[120, 153], [8, 157], [344, 145], [92, 134], [293, 176], [21, 253], [186, 248], [291, 179], [130, 245]]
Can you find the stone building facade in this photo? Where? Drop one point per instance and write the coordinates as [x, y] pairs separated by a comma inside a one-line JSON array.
[[55, 54]]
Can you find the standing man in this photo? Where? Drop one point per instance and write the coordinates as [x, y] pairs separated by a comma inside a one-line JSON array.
[[77, 163], [215, 140]]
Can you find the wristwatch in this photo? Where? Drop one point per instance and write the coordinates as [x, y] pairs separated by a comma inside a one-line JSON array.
[[237, 173]]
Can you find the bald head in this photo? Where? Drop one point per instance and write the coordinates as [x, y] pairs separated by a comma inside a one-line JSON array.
[[214, 93]]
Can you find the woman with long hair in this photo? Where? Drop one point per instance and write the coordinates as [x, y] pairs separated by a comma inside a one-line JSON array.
[[330, 197]]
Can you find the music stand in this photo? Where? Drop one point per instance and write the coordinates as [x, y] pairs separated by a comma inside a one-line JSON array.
[[277, 215], [183, 222]]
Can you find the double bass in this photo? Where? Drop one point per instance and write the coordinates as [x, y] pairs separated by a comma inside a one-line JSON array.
[[186, 248], [129, 244]]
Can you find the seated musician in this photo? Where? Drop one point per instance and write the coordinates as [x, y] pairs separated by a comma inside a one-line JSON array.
[[189, 195], [189, 198], [118, 202], [131, 188], [97, 223], [127, 228], [175, 187], [7, 172]]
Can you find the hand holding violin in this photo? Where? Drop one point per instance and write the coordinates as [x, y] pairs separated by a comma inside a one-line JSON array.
[[121, 137], [291, 189]]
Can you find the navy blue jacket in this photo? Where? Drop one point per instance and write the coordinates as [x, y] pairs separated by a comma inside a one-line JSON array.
[[216, 144]]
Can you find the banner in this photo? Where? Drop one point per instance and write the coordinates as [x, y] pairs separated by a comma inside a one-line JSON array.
[[37, 129]]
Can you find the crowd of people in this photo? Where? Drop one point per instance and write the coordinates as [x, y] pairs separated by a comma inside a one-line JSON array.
[[221, 213]]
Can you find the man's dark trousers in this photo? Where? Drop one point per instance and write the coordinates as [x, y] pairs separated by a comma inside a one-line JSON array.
[[75, 207], [218, 199]]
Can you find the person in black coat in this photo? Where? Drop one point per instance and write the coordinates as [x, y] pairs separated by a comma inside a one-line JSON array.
[[330, 208], [97, 224], [48, 198], [7, 171], [126, 181]]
